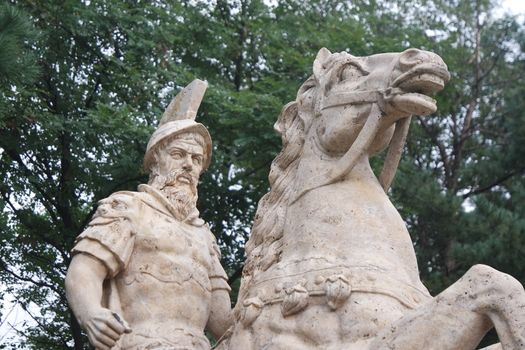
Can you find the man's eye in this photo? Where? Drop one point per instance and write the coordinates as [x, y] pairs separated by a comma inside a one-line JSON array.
[[176, 155], [197, 160]]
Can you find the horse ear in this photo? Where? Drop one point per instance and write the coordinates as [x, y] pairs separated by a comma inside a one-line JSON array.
[[322, 56]]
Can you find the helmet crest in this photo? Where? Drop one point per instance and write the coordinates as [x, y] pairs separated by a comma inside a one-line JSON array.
[[179, 118]]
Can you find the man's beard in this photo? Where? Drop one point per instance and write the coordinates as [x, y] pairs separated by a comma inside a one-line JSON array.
[[182, 196]]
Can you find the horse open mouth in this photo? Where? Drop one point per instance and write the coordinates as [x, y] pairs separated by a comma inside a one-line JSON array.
[[418, 84]]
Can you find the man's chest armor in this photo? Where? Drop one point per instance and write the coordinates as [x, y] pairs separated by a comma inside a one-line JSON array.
[[170, 252]]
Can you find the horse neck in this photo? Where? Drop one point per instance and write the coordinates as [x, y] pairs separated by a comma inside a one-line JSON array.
[[363, 173], [362, 181]]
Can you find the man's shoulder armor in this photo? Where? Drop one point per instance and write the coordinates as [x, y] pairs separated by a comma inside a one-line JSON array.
[[122, 204]]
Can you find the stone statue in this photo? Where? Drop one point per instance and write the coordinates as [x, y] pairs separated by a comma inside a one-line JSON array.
[[146, 273], [330, 264]]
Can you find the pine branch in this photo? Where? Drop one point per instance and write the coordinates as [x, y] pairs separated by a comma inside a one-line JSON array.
[[439, 145], [494, 183]]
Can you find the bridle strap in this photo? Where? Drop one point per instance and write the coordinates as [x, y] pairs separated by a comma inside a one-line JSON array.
[[395, 150], [343, 98], [346, 163]]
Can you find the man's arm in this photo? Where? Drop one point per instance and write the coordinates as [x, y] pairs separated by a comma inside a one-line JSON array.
[[221, 317], [84, 291]]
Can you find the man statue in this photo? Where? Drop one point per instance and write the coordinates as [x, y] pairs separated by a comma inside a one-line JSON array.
[[145, 273]]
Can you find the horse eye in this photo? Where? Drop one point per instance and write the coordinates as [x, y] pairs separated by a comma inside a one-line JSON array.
[[310, 83], [350, 73]]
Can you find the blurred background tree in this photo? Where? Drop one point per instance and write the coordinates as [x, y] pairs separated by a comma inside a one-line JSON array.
[[83, 84]]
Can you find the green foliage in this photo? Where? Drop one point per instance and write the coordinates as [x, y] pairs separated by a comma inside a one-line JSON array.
[[17, 34], [106, 69]]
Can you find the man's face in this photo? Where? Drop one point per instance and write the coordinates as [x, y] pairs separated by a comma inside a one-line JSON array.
[[181, 162]]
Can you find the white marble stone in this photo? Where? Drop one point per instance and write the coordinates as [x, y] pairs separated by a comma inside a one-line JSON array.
[[146, 273], [330, 264]]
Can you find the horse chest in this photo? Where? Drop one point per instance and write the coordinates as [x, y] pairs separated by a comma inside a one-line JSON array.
[[347, 224], [344, 217]]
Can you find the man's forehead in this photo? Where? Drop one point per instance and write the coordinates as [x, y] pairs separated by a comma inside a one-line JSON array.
[[189, 145]]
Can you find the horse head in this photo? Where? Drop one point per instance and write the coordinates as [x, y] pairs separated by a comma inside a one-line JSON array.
[[350, 108], [356, 106]]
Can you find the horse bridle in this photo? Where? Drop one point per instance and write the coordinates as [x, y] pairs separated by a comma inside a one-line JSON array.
[[378, 98]]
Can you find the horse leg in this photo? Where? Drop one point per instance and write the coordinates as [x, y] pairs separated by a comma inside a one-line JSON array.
[[459, 317]]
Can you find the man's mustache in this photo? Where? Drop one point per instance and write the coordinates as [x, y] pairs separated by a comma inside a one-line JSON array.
[[172, 178]]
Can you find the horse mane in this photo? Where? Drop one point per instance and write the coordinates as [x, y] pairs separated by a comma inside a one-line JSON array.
[[263, 249]]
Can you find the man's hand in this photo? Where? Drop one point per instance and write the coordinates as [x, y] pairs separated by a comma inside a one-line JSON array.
[[104, 328]]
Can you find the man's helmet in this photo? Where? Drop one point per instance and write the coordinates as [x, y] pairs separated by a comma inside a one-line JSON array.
[[179, 118]]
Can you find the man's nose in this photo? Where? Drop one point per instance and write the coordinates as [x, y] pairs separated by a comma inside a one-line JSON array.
[[187, 163]]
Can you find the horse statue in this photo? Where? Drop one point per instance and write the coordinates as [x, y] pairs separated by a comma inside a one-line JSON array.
[[330, 263]]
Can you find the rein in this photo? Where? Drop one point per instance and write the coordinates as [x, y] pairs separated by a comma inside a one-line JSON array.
[[342, 98], [364, 140]]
